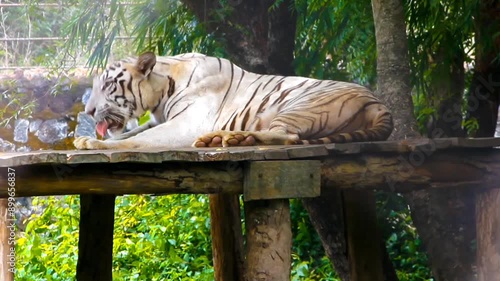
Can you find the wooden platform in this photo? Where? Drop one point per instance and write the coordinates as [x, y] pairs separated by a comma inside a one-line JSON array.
[[382, 165], [269, 173]]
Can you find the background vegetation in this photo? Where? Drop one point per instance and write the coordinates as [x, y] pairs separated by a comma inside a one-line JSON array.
[[167, 237]]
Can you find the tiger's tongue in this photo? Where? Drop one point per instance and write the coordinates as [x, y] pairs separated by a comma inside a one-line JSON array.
[[102, 127]]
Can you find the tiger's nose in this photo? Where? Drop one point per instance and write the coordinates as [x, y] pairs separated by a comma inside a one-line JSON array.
[[90, 111]]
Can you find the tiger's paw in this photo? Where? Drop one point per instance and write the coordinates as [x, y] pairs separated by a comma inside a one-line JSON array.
[[225, 139], [88, 143]]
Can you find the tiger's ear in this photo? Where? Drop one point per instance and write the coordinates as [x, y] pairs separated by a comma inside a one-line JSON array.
[[146, 62]]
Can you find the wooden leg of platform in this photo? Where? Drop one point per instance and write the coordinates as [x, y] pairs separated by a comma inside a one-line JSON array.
[[488, 235], [7, 258], [95, 245], [227, 239], [363, 237], [269, 240]]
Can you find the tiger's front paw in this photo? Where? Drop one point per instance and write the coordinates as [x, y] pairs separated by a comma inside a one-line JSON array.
[[88, 143], [225, 139]]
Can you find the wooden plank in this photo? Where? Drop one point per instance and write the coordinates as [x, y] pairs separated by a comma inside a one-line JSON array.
[[7, 250], [363, 237], [488, 235], [95, 244], [128, 178], [479, 142], [307, 151], [414, 170], [282, 179], [269, 240], [227, 237], [275, 154], [234, 153]]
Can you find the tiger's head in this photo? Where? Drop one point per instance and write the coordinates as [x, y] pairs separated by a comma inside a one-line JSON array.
[[120, 93]]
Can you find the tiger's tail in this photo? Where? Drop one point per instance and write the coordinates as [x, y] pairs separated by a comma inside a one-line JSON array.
[[380, 131]]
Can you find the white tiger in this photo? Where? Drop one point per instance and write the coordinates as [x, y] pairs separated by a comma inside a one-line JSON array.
[[202, 101]]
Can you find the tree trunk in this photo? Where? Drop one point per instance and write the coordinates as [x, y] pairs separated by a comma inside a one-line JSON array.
[[445, 222], [327, 216], [393, 67], [446, 93], [257, 37], [485, 87], [442, 234], [488, 238], [483, 106]]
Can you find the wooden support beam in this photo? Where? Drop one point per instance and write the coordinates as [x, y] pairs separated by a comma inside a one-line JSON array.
[[269, 240], [227, 237], [95, 245], [273, 179], [488, 235], [127, 178], [7, 256], [363, 237]]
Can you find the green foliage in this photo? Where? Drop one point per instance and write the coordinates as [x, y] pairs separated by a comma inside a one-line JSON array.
[[309, 261], [162, 238], [47, 250], [94, 26], [471, 126], [155, 238], [402, 241], [441, 41], [163, 26], [15, 105], [336, 40], [440, 34]]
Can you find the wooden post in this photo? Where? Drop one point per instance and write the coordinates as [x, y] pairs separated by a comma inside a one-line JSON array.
[[269, 240], [5, 251], [227, 237], [363, 237], [488, 235], [95, 245], [267, 216]]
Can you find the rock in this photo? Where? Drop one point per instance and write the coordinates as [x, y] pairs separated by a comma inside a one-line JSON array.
[[23, 149], [21, 130], [6, 146], [52, 130], [86, 95], [35, 124], [85, 126]]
